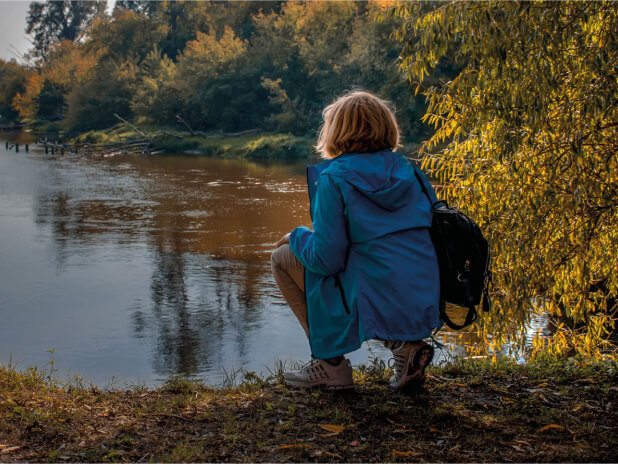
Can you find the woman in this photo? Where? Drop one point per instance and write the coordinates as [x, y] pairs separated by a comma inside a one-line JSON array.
[[368, 268]]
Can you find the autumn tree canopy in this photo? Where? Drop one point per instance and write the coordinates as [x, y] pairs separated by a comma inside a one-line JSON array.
[[221, 66], [526, 142]]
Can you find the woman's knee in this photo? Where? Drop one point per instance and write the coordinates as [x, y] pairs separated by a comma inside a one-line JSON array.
[[280, 256]]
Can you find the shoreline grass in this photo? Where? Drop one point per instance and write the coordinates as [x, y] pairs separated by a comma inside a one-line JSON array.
[[468, 411], [253, 145]]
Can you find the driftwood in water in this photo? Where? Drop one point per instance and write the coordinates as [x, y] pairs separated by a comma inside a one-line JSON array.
[[129, 146]]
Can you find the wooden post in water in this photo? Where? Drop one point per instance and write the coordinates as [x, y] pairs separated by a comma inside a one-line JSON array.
[[16, 148], [46, 149], [52, 147], [62, 150], [26, 148], [7, 145]]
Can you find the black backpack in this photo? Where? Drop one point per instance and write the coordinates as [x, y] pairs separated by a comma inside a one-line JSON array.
[[463, 258]]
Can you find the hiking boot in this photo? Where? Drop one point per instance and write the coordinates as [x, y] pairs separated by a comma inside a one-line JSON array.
[[320, 372], [410, 360]]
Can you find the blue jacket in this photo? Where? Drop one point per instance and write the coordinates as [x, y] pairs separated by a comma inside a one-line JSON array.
[[371, 270]]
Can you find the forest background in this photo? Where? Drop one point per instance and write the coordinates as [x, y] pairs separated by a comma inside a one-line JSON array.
[[220, 66]]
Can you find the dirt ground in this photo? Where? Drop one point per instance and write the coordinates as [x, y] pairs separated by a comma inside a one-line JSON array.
[[472, 411]]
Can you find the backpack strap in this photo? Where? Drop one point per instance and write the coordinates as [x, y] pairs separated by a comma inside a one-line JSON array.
[[472, 314], [420, 181]]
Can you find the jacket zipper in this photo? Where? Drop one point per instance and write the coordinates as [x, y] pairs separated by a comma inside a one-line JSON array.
[[338, 284]]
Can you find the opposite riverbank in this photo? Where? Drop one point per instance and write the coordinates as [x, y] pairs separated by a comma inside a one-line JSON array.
[[249, 144], [124, 138], [471, 411]]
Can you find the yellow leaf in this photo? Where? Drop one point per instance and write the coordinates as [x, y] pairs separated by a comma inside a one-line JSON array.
[[395, 423], [9, 449], [332, 428], [551, 427], [293, 445]]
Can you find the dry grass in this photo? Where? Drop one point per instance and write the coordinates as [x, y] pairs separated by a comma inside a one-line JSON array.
[[468, 412]]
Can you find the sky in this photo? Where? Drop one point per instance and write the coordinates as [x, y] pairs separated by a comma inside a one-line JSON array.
[[14, 41]]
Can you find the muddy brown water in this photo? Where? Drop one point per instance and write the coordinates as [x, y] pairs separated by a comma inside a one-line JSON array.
[[127, 270]]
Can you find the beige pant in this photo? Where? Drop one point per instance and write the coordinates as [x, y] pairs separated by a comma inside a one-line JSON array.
[[290, 277]]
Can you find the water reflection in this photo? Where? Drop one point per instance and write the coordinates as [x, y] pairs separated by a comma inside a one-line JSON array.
[[207, 227]]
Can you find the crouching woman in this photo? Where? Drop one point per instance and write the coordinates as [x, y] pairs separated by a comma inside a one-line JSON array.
[[368, 268]]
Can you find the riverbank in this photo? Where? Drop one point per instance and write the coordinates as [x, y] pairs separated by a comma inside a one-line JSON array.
[[250, 144], [471, 411]]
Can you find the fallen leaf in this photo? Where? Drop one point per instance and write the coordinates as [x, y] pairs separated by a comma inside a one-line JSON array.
[[395, 423], [332, 428], [355, 443], [292, 445], [333, 455], [10, 449], [406, 454], [551, 427]]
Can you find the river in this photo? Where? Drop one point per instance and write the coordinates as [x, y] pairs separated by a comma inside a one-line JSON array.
[[126, 270]]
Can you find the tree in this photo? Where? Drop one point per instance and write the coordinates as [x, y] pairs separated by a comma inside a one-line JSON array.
[[208, 76], [12, 79], [52, 22], [45, 89], [156, 98], [526, 142]]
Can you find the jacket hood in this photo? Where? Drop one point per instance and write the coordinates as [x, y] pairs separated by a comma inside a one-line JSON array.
[[385, 178]]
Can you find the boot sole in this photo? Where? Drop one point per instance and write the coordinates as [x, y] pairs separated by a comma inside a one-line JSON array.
[[321, 385]]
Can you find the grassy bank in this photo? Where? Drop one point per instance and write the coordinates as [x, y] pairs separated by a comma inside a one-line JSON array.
[[470, 411], [253, 145]]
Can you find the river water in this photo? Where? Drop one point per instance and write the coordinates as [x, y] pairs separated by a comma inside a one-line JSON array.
[[127, 270]]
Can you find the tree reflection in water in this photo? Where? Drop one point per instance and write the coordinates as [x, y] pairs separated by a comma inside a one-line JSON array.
[[207, 226]]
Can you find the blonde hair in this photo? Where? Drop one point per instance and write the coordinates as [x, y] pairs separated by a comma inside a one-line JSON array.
[[357, 122]]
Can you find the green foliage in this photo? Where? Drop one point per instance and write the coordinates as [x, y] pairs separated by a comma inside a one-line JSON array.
[[526, 142], [227, 66], [156, 99], [55, 21], [12, 79]]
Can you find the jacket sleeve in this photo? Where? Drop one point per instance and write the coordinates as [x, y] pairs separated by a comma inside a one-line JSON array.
[[323, 251]]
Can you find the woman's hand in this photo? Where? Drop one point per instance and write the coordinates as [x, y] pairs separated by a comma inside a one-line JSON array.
[[285, 239]]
